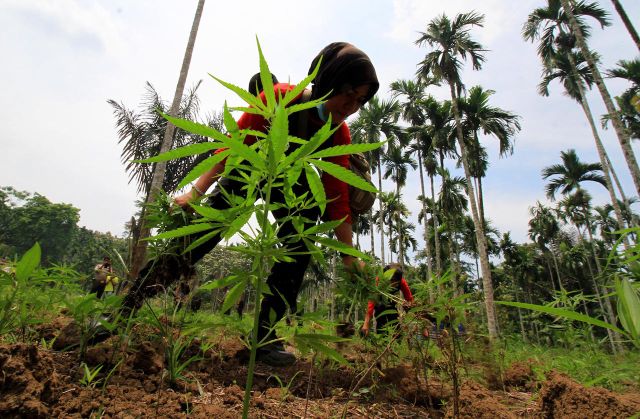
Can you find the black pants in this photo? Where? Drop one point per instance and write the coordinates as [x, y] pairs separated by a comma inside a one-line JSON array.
[[387, 314], [284, 281]]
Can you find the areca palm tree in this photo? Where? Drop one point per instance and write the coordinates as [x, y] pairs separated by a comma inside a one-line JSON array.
[[627, 22], [397, 163], [568, 175], [478, 115], [375, 120], [629, 100], [452, 44], [412, 112], [544, 229], [435, 144], [570, 69], [453, 204], [564, 20]]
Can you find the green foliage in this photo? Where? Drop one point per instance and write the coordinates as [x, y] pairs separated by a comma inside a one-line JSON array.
[[27, 219], [89, 376], [28, 293]]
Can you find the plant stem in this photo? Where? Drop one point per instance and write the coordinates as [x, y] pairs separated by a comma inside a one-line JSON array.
[[256, 309]]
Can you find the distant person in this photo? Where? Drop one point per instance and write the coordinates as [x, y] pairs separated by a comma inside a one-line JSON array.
[[105, 280], [386, 309]]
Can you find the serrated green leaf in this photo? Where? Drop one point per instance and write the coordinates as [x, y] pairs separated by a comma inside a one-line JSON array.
[[299, 88], [344, 175], [237, 224], [278, 135], [230, 122], [210, 213], [316, 187], [341, 150], [310, 146], [559, 312], [323, 227], [233, 296], [183, 231], [341, 247], [196, 128], [243, 94], [267, 82], [202, 167], [28, 263], [201, 240], [178, 153]]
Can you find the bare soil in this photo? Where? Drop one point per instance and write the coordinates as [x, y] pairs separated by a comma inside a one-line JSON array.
[[44, 383]]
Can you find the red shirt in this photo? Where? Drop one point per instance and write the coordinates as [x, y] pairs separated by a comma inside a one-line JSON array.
[[337, 191], [406, 293]]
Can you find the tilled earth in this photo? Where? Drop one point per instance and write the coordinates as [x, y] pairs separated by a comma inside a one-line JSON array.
[[45, 383]]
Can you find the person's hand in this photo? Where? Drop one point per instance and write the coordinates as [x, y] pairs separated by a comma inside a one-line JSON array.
[[353, 265], [365, 330], [185, 199]]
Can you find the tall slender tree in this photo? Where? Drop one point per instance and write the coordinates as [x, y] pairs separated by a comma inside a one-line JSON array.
[[375, 120], [452, 44], [579, 30], [479, 116], [627, 22], [570, 69], [412, 112], [167, 142]]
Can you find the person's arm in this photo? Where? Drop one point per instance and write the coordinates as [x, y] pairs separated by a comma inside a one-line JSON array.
[[203, 184], [406, 291], [367, 318]]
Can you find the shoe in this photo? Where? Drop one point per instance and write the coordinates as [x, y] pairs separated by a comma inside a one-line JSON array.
[[274, 354], [100, 334]]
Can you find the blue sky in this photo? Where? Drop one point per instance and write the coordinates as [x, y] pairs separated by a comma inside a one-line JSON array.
[[62, 60]]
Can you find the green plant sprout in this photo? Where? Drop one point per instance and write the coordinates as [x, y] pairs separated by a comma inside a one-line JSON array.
[[89, 377]]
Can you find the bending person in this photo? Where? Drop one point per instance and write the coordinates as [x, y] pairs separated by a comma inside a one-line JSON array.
[[386, 309], [348, 77]]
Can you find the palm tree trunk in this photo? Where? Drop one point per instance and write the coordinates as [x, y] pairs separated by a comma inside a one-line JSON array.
[[436, 238], [621, 131], [480, 236], [602, 154], [427, 242], [381, 220], [627, 23], [371, 233], [555, 263], [159, 169], [481, 201], [553, 284], [614, 337]]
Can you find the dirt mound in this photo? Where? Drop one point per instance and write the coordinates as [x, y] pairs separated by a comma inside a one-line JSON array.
[[477, 402], [27, 383], [520, 376], [561, 397]]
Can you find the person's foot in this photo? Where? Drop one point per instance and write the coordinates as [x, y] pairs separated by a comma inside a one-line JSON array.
[[274, 354], [100, 334]]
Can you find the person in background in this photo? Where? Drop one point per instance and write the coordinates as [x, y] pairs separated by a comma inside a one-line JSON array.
[[386, 308], [103, 274]]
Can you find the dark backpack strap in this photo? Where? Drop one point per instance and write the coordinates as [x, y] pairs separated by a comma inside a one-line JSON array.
[[303, 116]]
